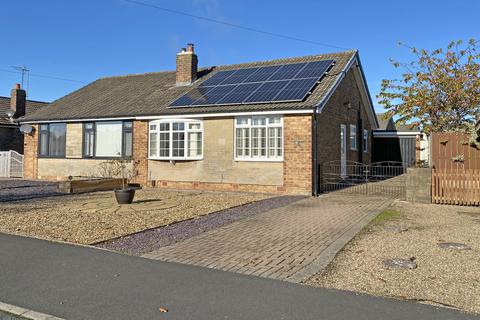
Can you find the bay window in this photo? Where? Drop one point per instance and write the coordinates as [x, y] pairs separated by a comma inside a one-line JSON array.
[[52, 138], [259, 137], [176, 139], [107, 139]]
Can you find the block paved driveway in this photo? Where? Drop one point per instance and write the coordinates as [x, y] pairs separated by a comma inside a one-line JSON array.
[[280, 243]]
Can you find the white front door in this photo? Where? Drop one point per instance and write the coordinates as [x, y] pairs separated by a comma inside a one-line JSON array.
[[343, 150]]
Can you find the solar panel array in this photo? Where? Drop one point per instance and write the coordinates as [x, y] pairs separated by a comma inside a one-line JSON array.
[[281, 83]]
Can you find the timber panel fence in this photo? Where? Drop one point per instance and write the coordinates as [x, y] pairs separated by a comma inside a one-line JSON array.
[[456, 187]]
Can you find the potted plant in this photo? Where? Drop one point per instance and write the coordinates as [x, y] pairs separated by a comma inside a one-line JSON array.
[[125, 170]]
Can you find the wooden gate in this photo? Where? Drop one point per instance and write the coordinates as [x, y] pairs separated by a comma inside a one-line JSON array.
[[456, 187]]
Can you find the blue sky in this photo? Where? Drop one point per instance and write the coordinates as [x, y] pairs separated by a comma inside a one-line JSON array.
[[87, 39]]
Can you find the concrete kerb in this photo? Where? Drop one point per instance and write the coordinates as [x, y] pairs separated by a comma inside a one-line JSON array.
[[327, 256], [23, 313]]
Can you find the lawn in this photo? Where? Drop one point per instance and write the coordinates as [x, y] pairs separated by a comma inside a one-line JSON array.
[[94, 217], [443, 277]]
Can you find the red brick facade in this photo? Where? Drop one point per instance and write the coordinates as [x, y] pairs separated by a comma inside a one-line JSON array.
[[30, 154], [345, 107], [297, 162], [140, 151]]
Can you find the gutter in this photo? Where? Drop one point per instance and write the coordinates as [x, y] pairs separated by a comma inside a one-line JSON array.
[[318, 109]]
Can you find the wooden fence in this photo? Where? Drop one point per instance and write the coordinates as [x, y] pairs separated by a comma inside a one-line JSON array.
[[456, 187], [451, 151]]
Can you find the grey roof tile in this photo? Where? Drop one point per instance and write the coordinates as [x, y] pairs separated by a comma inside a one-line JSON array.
[[30, 107], [151, 93]]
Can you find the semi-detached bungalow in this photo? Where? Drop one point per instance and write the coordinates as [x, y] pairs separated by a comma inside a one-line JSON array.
[[261, 126]]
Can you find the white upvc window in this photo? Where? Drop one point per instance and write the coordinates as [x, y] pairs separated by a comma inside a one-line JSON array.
[[259, 138], [175, 140], [353, 137], [365, 140]]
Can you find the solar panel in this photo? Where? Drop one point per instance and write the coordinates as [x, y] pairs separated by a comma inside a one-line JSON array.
[[240, 93], [296, 89], [314, 69], [262, 74], [279, 83], [217, 78], [266, 92], [239, 76], [214, 95], [287, 71], [191, 97]]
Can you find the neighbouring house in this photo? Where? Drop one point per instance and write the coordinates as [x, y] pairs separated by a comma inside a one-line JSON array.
[[12, 108], [263, 126], [398, 143]]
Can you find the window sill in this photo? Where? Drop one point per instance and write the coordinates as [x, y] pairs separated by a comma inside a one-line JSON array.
[[175, 159], [257, 160], [51, 157]]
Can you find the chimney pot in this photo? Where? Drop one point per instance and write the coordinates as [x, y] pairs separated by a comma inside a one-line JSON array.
[[17, 86], [190, 47]]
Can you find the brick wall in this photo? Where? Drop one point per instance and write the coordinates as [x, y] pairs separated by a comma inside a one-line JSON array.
[[297, 164], [73, 145], [140, 151], [344, 107], [186, 71], [30, 161]]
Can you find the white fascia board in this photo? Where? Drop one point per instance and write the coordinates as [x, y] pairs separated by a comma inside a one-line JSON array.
[[79, 120], [225, 114], [179, 116], [387, 134]]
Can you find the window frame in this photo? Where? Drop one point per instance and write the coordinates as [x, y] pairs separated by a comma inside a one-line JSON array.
[[249, 125], [365, 140], [186, 130], [353, 128], [94, 131], [41, 142]]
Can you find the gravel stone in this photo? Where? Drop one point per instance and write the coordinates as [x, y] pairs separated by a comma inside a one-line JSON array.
[[396, 228], [454, 246], [94, 217], [444, 277], [400, 263]]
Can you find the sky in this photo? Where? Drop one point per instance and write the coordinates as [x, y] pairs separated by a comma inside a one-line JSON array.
[[83, 40]]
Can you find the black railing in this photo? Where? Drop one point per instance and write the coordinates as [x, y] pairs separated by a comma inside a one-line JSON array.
[[380, 178]]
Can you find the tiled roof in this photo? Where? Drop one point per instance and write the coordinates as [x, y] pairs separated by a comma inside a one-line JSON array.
[[30, 107], [390, 125], [151, 93]]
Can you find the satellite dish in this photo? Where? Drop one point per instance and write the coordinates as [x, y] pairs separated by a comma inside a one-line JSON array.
[[10, 113], [26, 128]]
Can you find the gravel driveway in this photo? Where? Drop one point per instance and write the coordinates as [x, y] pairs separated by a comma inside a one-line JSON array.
[[93, 217], [445, 277], [13, 189]]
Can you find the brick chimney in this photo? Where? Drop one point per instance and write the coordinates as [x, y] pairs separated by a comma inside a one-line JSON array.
[[187, 63], [17, 101]]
